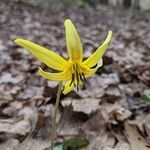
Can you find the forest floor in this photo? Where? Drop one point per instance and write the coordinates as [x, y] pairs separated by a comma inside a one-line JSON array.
[[112, 111]]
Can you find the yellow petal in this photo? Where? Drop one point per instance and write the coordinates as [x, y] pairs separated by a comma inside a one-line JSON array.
[[97, 55], [62, 76], [89, 72], [74, 46], [68, 87], [46, 56]]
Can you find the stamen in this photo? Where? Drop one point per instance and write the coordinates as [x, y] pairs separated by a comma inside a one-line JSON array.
[[78, 80], [77, 76], [83, 76], [77, 88], [72, 80]]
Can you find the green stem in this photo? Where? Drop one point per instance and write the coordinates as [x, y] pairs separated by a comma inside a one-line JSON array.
[[53, 132]]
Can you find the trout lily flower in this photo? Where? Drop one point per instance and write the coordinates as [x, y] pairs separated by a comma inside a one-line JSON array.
[[71, 71]]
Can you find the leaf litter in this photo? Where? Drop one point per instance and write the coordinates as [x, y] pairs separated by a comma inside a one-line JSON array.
[[109, 111]]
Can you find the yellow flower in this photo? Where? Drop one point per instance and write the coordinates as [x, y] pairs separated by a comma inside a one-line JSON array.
[[74, 70]]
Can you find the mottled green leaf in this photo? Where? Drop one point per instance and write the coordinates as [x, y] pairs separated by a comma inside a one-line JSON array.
[[74, 143]]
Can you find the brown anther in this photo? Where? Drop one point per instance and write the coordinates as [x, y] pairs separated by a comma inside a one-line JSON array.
[[72, 80]]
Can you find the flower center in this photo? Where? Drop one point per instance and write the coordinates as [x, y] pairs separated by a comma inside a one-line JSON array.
[[77, 76]]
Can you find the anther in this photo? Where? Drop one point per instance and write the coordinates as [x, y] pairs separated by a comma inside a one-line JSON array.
[[83, 76], [72, 80], [77, 75]]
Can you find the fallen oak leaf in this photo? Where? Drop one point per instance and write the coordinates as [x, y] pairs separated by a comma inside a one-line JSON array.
[[9, 144], [16, 126], [85, 105], [24, 123], [142, 121], [33, 144], [137, 142]]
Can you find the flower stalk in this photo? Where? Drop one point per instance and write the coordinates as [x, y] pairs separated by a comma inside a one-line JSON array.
[[70, 72], [53, 132]]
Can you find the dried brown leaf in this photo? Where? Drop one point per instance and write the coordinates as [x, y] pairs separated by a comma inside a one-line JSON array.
[[137, 142], [85, 105]]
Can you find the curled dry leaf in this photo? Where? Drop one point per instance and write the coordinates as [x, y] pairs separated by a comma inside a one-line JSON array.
[[112, 94], [143, 72], [115, 112]]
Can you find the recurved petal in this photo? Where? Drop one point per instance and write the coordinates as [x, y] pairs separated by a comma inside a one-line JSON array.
[[46, 56], [68, 87], [74, 46], [97, 55], [89, 72], [62, 76]]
